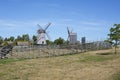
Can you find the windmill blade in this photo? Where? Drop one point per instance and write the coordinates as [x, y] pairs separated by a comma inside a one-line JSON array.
[[68, 30], [68, 39], [47, 26], [39, 26], [48, 36]]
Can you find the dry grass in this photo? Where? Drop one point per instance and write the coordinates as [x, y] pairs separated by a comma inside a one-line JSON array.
[[84, 66]]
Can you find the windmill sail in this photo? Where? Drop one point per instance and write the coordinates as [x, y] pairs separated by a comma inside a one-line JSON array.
[[68, 33], [47, 26]]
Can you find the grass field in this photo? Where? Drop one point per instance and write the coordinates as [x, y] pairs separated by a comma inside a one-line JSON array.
[[93, 65]]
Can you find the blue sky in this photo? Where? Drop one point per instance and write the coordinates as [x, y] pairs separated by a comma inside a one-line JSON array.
[[89, 18]]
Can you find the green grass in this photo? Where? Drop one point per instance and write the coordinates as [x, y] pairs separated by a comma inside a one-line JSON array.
[[9, 60], [2, 74], [97, 58], [116, 76]]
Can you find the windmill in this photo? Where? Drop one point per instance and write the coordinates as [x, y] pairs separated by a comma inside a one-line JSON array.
[[41, 39], [72, 37]]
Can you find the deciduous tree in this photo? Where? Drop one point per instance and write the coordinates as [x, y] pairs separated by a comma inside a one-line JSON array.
[[114, 36], [59, 41], [1, 40]]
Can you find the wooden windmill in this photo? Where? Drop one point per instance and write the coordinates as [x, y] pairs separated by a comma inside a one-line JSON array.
[[41, 38]]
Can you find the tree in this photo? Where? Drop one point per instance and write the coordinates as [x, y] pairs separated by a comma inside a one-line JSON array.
[[11, 38], [1, 40], [25, 37], [19, 38], [114, 36], [59, 41], [15, 42], [34, 38], [6, 39], [49, 42]]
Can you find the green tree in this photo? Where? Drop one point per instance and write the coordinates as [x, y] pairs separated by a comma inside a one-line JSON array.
[[49, 42], [19, 38], [34, 38], [1, 40], [6, 39], [15, 42], [11, 38], [25, 37], [59, 41], [114, 36]]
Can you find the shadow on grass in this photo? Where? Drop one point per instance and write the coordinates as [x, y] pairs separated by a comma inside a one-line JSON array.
[[106, 53], [104, 56]]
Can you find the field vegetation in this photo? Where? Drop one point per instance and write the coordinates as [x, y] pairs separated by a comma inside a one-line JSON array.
[[93, 65]]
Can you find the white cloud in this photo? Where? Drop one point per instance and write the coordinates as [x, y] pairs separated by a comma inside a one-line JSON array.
[[15, 24]]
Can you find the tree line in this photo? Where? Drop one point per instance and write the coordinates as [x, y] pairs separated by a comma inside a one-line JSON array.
[[26, 38]]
